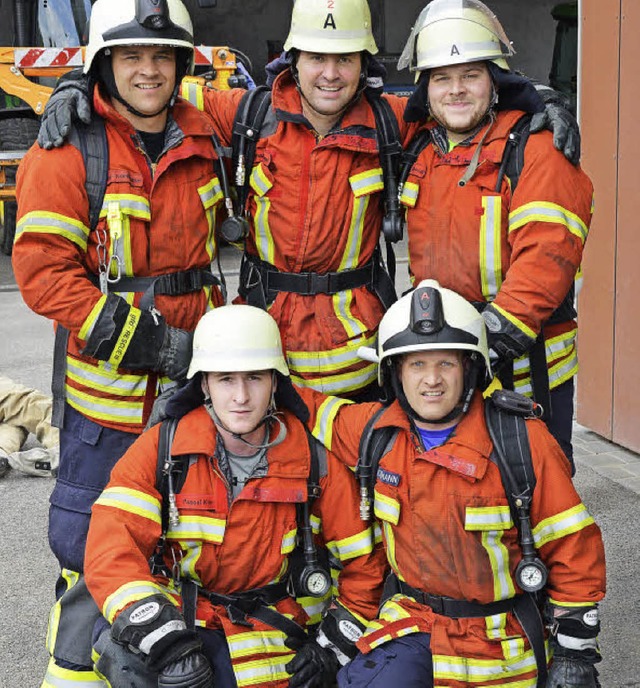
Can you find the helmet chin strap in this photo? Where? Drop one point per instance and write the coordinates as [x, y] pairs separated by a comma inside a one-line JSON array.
[[271, 416]]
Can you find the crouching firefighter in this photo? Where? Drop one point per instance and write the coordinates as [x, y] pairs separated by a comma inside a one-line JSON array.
[[497, 566], [245, 520]]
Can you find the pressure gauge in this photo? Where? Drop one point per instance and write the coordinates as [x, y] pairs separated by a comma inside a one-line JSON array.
[[531, 576], [315, 582]]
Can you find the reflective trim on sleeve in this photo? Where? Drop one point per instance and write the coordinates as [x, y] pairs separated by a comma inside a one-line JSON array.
[[323, 428], [409, 194], [354, 546], [90, 321], [127, 594], [565, 523], [543, 211], [193, 93], [288, 542], [39, 222], [131, 501]]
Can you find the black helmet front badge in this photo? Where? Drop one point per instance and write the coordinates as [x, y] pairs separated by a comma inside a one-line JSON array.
[[427, 314]]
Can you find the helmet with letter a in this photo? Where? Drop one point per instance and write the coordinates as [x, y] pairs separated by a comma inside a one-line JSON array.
[[451, 32], [431, 318], [331, 27]]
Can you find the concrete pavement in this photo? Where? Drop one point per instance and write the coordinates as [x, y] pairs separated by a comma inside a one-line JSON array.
[[608, 478]]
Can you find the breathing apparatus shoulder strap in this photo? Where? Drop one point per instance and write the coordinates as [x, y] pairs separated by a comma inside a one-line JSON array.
[[374, 444], [247, 130], [91, 140]]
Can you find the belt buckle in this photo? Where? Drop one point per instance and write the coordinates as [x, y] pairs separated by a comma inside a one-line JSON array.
[[436, 603], [318, 283]]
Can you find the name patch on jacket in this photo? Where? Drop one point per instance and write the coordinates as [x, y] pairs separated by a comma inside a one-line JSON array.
[[464, 467], [388, 477], [203, 502]]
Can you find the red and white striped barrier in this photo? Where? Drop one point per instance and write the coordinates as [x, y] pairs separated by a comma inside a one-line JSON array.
[[29, 58]]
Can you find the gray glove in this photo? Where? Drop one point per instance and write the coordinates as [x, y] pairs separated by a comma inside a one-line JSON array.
[[558, 118], [70, 101], [159, 408], [569, 672], [192, 671]]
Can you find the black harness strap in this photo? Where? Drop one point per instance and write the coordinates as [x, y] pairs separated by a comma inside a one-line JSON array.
[[91, 140]]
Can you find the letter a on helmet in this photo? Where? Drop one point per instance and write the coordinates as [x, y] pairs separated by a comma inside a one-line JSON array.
[[331, 26]]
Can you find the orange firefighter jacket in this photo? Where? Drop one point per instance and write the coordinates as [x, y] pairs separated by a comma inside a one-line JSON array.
[[155, 219], [315, 204], [519, 251], [229, 547], [448, 530]]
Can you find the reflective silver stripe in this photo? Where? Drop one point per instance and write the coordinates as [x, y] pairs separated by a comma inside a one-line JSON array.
[[52, 223], [131, 592], [323, 428], [312, 361], [466, 669], [490, 248], [488, 518], [198, 528], [105, 378], [555, 527], [579, 644], [342, 306], [137, 206], [354, 546], [112, 410], [57, 677], [336, 384], [543, 211], [131, 501]]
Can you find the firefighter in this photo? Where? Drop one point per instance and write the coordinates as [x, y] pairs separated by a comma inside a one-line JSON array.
[[462, 604], [314, 192], [511, 246], [249, 469], [129, 290]]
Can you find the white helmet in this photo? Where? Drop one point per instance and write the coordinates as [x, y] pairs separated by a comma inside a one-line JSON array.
[[343, 27], [138, 22], [450, 32], [429, 318], [237, 338]]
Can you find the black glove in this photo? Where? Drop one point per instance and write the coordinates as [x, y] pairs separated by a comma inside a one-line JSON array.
[[192, 671], [155, 628], [313, 666], [70, 101], [568, 672], [154, 345], [505, 340], [558, 118]]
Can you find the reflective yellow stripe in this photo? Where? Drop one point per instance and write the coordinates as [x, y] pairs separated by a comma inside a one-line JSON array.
[[262, 671], [193, 93], [71, 578], [390, 547], [251, 643], [87, 326], [498, 554], [288, 542], [130, 592], [57, 677], [198, 528], [104, 377], [330, 359], [366, 183], [386, 508], [39, 222], [473, 671], [192, 551], [559, 373], [515, 322], [409, 195], [488, 518], [99, 408], [353, 546], [555, 348], [125, 336], [323, 428], [316, 524], [131, 501], [261, 184], [210, 195], [562, 524], [342, 307], [490, 246], [117, 209], [341, 383], [543, 211]]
